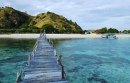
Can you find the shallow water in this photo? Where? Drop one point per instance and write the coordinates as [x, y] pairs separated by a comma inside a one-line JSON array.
[[95, 60], [13, 57], [84, 60]]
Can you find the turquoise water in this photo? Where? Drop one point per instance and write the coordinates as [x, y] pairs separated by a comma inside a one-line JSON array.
[[13, 57], [95, 60], [84, 60]]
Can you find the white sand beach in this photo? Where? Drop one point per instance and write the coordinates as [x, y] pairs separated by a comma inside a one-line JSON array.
[[19, 35], [123, 35], [59, 36], [66, 36]]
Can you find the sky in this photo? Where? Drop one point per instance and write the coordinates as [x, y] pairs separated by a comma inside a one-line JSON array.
[[88, 14]]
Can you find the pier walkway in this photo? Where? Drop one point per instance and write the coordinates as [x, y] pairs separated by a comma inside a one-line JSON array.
[[42, 65]]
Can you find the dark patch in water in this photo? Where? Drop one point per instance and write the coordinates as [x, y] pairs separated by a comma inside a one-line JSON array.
[[96, 78], [14, 59], [6, 50], [1, 64], [106, 55], [1, 75], [76, 69], [89, 59], [127, 53], [83, 51], [119, 60], [76, 57]]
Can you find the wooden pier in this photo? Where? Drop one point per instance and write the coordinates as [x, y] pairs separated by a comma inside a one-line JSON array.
[[42, 65]]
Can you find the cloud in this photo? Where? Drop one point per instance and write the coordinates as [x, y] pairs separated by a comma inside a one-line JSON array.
[[87, 13]]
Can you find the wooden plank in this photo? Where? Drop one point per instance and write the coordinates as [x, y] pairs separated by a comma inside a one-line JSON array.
[[51, 76], [46, 60], [45, 81], [42, 66], [44, 56], [34, 70], [41, 71], [59, 82]]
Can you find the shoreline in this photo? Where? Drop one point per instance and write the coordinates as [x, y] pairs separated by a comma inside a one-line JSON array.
[[19, 36], [60, 36], [72, 36]]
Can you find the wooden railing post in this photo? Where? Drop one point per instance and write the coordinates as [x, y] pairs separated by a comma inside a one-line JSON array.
[[52, 44], [62, 67], [35, 47], [18, 79], [45, 36], [54, 52], [29, 58], [49, 40], [62, 72], [59, 60]]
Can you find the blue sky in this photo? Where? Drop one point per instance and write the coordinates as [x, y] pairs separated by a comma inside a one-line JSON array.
[[89, 14]]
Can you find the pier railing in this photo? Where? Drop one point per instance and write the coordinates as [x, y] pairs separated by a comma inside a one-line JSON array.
[[59, 62], [18, 79], [19, 74], [32, 54], [63, 74], [35, 48]]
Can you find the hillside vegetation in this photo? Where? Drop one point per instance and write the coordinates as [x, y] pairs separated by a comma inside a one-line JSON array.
[[10, 18], [59, 22], [14, 19]]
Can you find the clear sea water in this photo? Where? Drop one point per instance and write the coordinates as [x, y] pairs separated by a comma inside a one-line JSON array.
[[85, 60], [13, 57], [95, 60]]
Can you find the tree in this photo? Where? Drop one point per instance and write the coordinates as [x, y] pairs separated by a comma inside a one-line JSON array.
[[33, 29], [33, 22], [103, 30], [128, 31], [61, 31], [113, 30], [24, 26], [48, 28], [125, 31], [110, 30]]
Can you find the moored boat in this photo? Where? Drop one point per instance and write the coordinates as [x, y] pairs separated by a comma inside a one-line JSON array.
[[109, 36]]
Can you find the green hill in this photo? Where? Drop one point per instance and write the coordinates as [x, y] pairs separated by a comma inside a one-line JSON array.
[[10, 18], [14, 19], [58, 21]]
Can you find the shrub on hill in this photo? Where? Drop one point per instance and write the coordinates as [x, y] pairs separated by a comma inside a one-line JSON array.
[[48, 28]]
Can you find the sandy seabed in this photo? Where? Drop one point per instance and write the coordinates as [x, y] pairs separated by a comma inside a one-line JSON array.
[[59, 36]]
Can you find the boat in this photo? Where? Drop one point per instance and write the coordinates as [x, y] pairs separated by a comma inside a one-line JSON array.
[[109, 36]]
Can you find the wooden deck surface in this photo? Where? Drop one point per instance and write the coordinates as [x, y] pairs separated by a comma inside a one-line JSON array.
[[43, 67]]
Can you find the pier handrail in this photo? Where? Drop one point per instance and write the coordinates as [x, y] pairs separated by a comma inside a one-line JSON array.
[[51, 42], [34, 48], [18, 79], [55, 52], [32, 54], [63, 74]]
